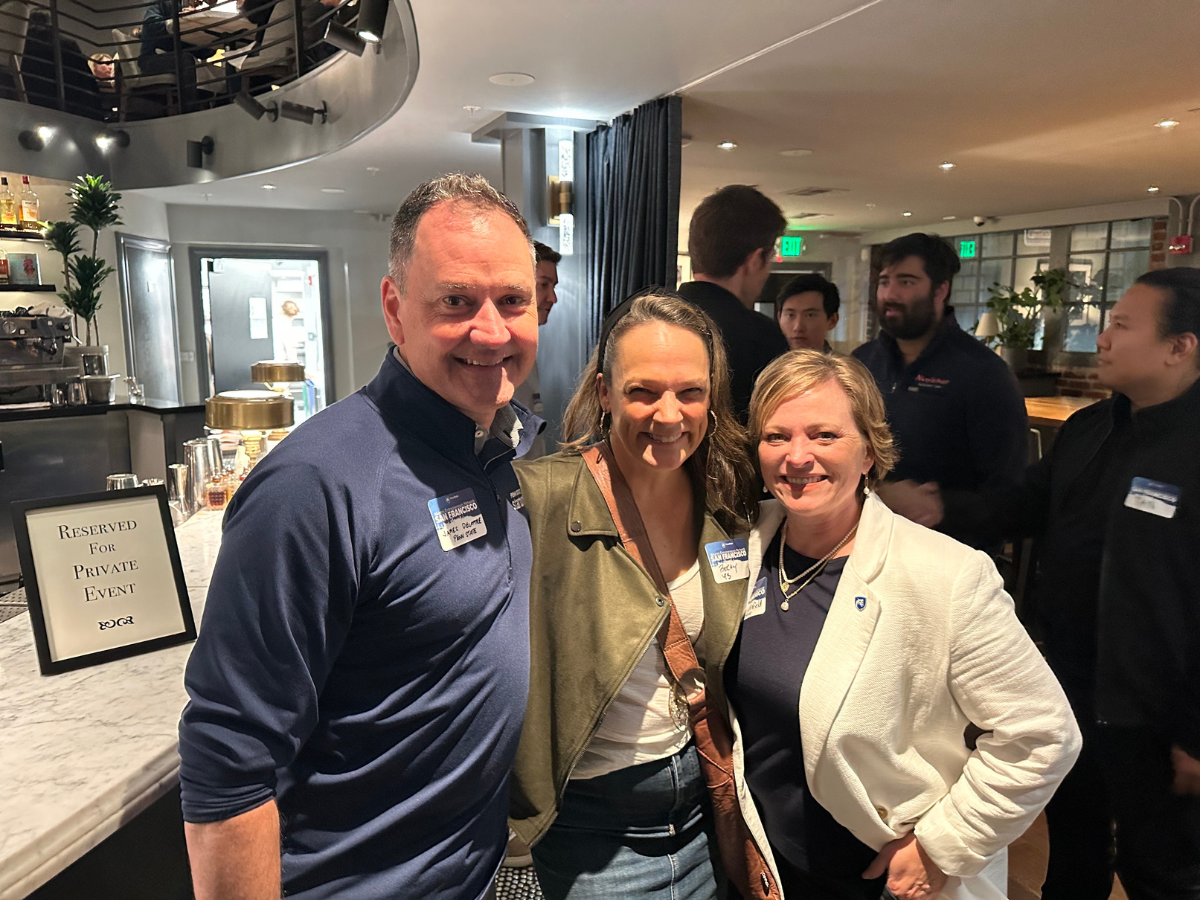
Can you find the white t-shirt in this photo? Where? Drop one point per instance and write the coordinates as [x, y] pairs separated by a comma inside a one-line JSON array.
[[638, 727]]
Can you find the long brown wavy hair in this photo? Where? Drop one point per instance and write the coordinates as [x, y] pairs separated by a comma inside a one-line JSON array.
[[720, 469]]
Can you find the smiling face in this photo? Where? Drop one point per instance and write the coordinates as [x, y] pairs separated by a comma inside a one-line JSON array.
[[803, 321], [812, 455], [466, 322], [658, 398], [908, 304]]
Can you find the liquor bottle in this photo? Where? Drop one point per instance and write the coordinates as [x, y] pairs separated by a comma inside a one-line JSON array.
[[8, 206], [3, 267], [29, 206]]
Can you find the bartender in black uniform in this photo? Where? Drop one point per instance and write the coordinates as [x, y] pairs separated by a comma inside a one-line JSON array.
[[953, 405], [1114, 508]]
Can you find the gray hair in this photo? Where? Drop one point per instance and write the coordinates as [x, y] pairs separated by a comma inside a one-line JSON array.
[[457, 186]]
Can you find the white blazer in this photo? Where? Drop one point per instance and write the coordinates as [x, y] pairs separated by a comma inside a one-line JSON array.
[[921, 640]]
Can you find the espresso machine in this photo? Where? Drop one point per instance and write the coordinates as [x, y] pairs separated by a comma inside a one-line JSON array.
[[33, 362]]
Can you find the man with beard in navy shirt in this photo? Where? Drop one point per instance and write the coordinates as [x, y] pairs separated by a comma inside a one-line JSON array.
[[360, 679], [953, 405]]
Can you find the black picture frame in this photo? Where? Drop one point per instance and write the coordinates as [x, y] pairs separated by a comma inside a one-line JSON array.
[[37, 617]]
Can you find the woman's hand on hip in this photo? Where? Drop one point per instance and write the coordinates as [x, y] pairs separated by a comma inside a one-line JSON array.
[[912, 875]]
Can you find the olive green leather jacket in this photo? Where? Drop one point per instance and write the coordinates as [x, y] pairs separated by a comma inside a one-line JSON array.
[[592, 613]]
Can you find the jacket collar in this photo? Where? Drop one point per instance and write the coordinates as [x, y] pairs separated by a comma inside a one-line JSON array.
[[408, 406], [946, 330], [1180, 412], [870, 544], [707, 290]]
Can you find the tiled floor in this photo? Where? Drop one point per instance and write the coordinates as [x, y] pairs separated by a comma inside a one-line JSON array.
[[1027, 865]]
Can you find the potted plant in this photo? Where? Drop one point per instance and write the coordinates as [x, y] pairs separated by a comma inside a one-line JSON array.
[[96, 206], [1018, 313]]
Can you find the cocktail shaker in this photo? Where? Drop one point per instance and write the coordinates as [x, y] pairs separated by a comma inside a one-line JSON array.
[[197, 455]]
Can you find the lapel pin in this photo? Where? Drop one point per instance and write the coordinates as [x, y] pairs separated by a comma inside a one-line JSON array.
[[860, 603]]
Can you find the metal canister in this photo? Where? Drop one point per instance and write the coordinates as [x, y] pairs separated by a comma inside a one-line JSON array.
[[120, 482], [177, 489], [196, 454], [214, 455]]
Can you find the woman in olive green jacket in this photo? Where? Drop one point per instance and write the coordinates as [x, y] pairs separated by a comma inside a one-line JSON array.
[[607, 785]]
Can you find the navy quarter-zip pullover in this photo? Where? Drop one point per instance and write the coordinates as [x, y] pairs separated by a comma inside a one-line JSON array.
[[371, 682]]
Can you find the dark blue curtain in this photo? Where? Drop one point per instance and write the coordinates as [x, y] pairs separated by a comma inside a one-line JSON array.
[[632, 216]]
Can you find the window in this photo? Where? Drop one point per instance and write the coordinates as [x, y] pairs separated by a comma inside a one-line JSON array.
[[1007, 258], [1106, 258]]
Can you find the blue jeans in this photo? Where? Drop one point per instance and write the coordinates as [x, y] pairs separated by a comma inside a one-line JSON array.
[[640, 832]]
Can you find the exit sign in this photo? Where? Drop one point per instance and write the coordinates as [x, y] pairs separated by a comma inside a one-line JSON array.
[[968, 249], [791, 245]]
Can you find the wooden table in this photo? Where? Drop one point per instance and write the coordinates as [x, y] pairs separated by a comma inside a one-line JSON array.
[[1053, 411]]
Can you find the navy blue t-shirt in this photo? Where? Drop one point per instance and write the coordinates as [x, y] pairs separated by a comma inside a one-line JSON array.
[[350, 666], [762, 679]]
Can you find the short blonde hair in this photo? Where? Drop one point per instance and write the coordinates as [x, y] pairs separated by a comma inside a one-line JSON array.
[[799, 371]]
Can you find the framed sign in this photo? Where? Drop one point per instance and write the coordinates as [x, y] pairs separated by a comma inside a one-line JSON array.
[[102, 576]]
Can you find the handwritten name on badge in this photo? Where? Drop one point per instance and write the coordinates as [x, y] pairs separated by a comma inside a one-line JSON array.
[[730, 560], [1154, 497], [758, 600], [457, 519]]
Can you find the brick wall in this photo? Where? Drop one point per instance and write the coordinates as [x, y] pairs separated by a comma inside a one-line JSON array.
[[1081, 381]]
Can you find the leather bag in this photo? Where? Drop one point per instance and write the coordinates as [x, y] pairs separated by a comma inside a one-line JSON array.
[[744, 863]]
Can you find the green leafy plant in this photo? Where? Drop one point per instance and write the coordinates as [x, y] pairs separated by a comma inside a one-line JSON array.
[[1019, 312], [96, 206]]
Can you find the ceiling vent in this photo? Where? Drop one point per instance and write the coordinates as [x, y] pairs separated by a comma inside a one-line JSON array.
[[808, 215], [813, 191]]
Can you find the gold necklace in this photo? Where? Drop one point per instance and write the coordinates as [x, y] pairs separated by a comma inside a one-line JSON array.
[[811, 572]]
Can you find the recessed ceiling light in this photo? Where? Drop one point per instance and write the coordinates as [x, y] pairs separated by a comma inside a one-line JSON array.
[[795, 153], [870, 206], [472, 109], [906, 214], [333, 190], [1166, 124], [727, 145], [1153, 189], [949, 218], [268, 187], [374, 170], [512, 79], [946, 166]]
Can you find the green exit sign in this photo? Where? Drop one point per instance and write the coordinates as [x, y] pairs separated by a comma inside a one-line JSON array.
[[791, 245], [968, 249]]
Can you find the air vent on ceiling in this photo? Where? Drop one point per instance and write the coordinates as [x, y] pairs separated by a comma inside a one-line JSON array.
[[808, 215], [813, 191]]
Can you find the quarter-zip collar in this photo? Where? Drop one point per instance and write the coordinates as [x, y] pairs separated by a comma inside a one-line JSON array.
[[945, 331]]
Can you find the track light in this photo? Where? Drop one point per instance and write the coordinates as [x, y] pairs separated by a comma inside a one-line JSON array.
[[372, 17], [344, 39], [31, 140], [299, 113], [249, 105], [106, 140], [197, 150]]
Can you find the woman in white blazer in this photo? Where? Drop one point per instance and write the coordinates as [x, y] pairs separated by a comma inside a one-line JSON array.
[[894, 724]]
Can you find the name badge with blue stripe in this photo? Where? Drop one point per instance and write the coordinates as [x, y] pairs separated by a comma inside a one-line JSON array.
[[730, 560], [1154, 497], [758, 600], [457, 519]]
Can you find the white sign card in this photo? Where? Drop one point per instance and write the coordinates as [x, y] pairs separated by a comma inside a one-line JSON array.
[[103, 577]]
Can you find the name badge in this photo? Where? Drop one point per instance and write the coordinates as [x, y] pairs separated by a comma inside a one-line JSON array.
[[758, 600], [517, 501], [730, 560], [1153, 497], [457, 519]]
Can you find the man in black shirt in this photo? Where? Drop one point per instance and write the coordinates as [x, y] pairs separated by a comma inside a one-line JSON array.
[[1115, 508], [952, 404], [731, 241]]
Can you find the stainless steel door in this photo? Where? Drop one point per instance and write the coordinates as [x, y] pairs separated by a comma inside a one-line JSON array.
[[148, 310], [239, 296]]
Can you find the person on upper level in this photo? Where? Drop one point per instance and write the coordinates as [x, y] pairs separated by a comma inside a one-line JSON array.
[[731, 241]]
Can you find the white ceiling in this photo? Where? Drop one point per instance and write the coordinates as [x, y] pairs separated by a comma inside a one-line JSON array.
[[1041, 105]]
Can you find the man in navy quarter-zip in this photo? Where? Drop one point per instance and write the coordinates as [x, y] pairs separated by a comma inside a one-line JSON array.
[[360, 679]]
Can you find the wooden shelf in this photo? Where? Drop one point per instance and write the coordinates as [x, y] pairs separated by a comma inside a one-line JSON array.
[[28, 288], [14, 234]]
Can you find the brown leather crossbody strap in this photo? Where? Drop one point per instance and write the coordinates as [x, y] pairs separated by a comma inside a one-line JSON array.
[[676, 646]]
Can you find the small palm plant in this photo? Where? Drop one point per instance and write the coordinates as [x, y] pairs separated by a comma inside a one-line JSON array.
[[96, 206]]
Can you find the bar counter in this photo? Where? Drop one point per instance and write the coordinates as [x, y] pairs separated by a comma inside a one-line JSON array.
[[84, 752]]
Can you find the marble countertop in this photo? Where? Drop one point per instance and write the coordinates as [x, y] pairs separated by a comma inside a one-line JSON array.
[[84, 752]]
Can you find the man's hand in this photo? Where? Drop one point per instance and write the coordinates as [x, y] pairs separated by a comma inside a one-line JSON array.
[[912, 875], [1187, 772], [922, 503]]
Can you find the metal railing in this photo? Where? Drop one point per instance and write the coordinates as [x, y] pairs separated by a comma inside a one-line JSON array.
[[150, 59]]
